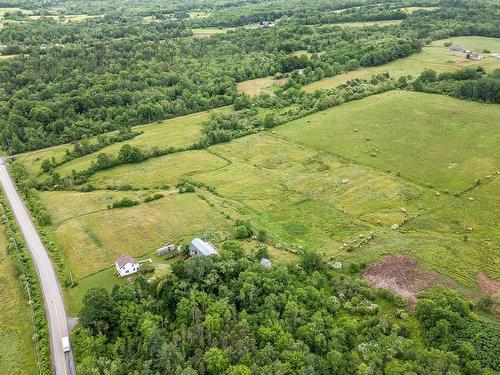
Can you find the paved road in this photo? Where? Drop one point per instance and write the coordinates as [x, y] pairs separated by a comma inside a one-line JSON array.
[[62, 363]]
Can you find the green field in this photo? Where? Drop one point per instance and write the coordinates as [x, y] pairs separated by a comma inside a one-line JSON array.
[[435, 56], [324, 182], [370, 23], [177, 132], [158, 171], [207, 32], [93, 240], [17, 354], [430, 139], [255, 86]]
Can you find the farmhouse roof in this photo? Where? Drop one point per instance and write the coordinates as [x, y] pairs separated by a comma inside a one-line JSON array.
[[124, 259], [203, 247]]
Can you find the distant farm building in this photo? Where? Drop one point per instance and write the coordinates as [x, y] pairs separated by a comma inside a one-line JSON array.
[[457, 48], [266, 263], [474, 56], [165, 250], [126, 265], [266, 24], [199, 247]]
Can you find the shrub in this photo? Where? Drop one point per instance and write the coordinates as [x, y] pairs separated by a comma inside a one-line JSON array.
[[262, 235], [125, 202], [240, 232], [153, 197], [185, 187]]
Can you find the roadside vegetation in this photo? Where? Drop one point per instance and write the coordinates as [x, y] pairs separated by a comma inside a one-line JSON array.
[[16, 346], [35, 355]]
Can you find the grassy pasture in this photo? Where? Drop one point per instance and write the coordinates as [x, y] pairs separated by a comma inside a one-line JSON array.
[[12, 10], [177, 132], [430, 139], [255, 86], [162, 170], [297, 193], [411, 10], [477, 210], [207, 32], [92, 242], [434, 56], [17, 354], [312, 183], [370, 23]]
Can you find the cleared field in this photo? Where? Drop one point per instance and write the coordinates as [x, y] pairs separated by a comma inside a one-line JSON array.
[[302, 52], [177, 132], [255, 86], [17, 354], [435, 56], [308, 198], [434, 140], [411, 10], [370, 23], [207, 32], [474, 215], [66, 17], [158, 171], [450, 256], [12, 10], [92, 242]]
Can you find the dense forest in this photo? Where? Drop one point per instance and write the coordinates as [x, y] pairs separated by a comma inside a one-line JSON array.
[[73, 80], [229, 315]]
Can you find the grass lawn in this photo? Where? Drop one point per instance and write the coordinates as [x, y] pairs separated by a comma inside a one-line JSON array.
[[93, 241], [430, 139], [435, 56], [255, 86], [17, 353]]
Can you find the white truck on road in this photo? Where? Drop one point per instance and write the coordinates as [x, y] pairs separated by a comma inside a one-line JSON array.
[[65, 344]]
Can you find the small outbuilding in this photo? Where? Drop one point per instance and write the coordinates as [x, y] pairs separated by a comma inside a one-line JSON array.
[[165, 249], [266, 263], [198, 247], [456, 48], [126, 265], [474, 56]]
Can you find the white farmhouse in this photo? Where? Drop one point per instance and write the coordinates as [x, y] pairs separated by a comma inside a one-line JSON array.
[[126, 265], [199, 247]]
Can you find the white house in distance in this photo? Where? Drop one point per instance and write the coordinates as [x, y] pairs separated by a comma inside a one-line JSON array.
[[126, 265], [199, 247]]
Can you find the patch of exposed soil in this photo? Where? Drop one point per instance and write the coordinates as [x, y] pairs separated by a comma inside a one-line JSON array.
[[402, 275], [488, 285]]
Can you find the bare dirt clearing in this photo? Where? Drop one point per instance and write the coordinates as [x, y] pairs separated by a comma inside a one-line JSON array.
[[402, 275]]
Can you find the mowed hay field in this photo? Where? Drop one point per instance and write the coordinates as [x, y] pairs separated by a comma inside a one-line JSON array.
[[434, 56], [433, 140], [93, 240], [177, 132], [168, 169], [17, 353]]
